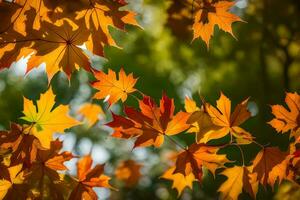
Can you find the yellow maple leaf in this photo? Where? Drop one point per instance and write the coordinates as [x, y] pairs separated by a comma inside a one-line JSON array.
[[45, 119], [227, 122], [238, 178], [180, 181], [112, 88]]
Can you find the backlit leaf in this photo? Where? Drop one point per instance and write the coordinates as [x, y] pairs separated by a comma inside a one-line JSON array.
[[151, 124], [45, 119], [114, 88]]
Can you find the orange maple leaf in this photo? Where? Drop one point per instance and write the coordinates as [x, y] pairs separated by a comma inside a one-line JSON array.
[[228, 123], [16, 13], [151, 123], [88, 178], [98, 16], [286, 120], [129, 172], [270, 165], [50, 30], [49, 161], [91, 113], [190, 105], [43, 174], [197, 156], [7, 13], [213, 13], [112, 88], [57, 45]]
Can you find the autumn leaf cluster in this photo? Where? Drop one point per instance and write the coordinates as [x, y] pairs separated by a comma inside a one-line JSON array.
[[56, 32], [152, 124], [53, 32], [32, 160]]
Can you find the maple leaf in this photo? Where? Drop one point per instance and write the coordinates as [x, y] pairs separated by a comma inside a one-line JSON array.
[[43, 176], [98, 16], [45, 119], [286, 120], [197, 156], [112, 88], [49, 161], [23, 146], [57, 45], [16, 177], [7, 13], [16, 14], [200, 121], [151, 123], [228, 123], [129, 172], [238, 178], [270, 165], [180, 181], [10, 50], [211, 13], [53, 38], [91, 113], [87, 179]]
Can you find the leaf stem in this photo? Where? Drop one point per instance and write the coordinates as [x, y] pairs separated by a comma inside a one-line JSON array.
[[260, 145], [135, 97], [242, 153], [140, 92], [175, 142]]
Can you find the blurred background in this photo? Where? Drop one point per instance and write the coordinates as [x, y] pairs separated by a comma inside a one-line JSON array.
[[263, 63]]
